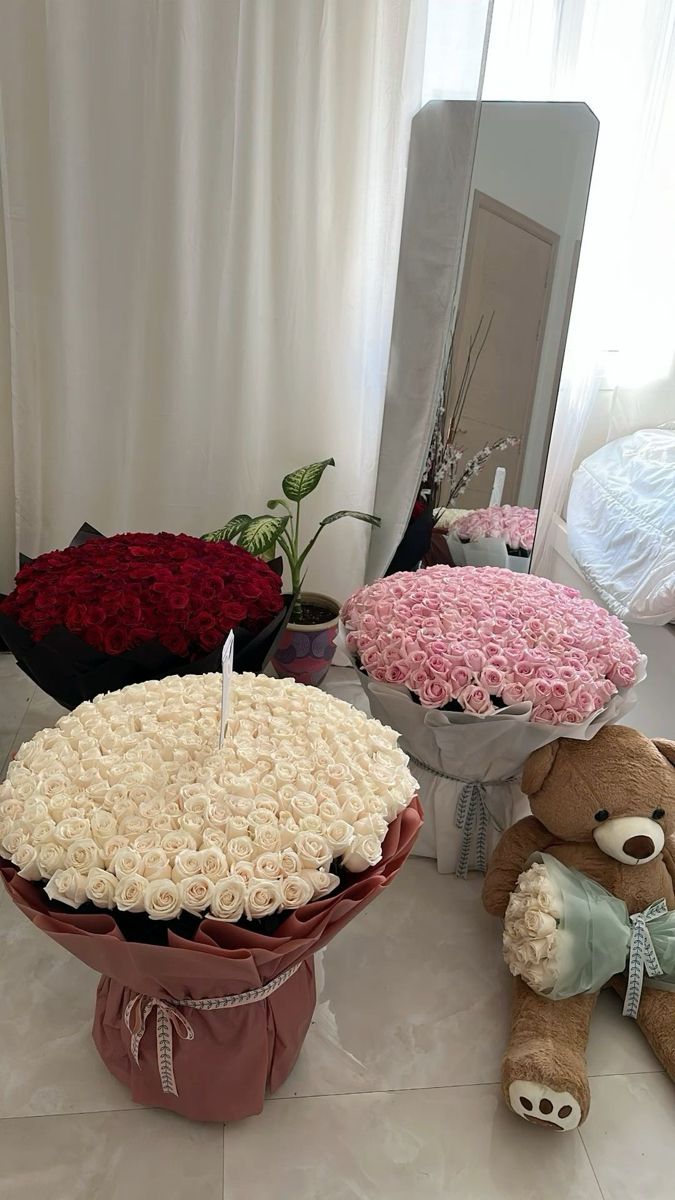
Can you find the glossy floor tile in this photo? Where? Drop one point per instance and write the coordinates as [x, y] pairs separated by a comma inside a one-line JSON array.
[[395, 1090], [111, 1156], [421, 1145]]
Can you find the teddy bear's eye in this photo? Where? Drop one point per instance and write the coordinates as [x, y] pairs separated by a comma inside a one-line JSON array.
[[601, 814], [658, 813]]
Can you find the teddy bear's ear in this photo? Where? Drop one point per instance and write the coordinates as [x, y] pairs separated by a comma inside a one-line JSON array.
[[666, 748], [537, 768]]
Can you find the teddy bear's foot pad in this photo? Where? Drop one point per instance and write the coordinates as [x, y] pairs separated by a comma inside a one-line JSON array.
[[543, 1106]]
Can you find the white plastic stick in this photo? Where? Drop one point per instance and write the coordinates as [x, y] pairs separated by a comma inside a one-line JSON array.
[[498, 486], [227, 660]]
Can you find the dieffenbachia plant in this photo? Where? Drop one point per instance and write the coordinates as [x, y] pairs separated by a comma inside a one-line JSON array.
[[260, 535]]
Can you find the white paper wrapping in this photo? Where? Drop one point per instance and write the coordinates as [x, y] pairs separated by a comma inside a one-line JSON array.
[[485, 552], [464, 749]]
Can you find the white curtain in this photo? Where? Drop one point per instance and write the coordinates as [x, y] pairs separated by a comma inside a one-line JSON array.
[[619, 57], [201, 213]]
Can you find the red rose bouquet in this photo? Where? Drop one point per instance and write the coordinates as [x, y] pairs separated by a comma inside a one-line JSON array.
[[107, 612]]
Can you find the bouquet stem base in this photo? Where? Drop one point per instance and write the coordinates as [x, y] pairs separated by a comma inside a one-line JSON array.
[[224, 1061]]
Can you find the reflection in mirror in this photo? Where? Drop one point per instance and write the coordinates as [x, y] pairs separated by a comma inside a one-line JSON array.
[[523, 229]]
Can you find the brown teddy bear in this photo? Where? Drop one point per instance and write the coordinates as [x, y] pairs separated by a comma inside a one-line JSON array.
[[607, 808]]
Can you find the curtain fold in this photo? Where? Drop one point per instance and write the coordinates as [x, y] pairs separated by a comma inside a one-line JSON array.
[[619, 369], [202, 206]]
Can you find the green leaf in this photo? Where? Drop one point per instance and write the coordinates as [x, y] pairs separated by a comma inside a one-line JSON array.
[[300, 483], [280, 504], [229, 532], [348, 512], [262, 533]]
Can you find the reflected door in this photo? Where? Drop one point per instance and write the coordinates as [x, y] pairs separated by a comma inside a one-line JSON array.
[[508, 270]]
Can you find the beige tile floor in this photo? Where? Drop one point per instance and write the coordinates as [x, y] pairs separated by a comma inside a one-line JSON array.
[[395, 1094]]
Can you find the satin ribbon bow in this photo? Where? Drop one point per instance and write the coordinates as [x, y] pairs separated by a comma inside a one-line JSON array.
[[642, 956], [472, 816], [169, 1018]]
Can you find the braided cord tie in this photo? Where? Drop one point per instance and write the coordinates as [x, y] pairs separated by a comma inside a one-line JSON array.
[[169, 1018], [472, 816], [642, 956]]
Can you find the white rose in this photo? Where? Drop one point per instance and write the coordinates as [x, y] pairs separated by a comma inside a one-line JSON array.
[[187, 863], [339, 835], [132, 825], [304, 805], [195, 893], [329, 810], [101, 887], [11, 809], [164, 822], [112, 845], [216, 838], [237, 827], [296, 891], [313, 850], [68, 887], [227, 901], [372, 824], [130, 893], [269, 802], [366, 851], [34, 813], [156, 864], [539, 923], [15, 838], [212, 863], [151, 840], [266, 837], [162, 899], [83, 855], [25, 858], [311, 824], [71, 829], [322, 882], [192, 823], [103, 825], [268, 866], [262, 898], [178, 840], [244, 870], [240, 849], [290, 863], [218, 814], [50, 858], [126, 862]]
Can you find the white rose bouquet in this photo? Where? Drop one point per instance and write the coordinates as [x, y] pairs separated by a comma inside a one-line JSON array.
[[197, 879], [565, 935]]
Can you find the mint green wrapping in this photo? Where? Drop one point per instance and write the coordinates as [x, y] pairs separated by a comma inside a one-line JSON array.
[[594, 932]]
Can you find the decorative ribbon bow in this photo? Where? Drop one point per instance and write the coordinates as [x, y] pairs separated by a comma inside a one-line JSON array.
[[642, 956], [169, 1018], [472, 816]]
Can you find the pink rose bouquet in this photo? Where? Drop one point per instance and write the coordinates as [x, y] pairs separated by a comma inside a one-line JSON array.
[[500, 536], [476, 667]]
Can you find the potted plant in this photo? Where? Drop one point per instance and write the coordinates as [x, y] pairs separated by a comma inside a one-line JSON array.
[[306, 648]]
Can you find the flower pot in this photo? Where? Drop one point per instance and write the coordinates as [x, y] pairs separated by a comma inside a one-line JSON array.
[[305, 651]]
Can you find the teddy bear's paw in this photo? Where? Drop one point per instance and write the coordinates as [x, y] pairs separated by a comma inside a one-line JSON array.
[[542, 1105]]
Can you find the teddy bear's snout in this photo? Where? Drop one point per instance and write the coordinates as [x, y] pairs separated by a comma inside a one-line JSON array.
[[631, 840]]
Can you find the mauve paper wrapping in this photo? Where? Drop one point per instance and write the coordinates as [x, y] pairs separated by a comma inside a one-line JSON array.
[[237, 1054]]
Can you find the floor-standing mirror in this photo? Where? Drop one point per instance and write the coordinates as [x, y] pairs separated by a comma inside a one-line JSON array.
[[495, 390]]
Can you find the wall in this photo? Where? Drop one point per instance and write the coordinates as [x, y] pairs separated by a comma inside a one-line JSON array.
[[537, 158]]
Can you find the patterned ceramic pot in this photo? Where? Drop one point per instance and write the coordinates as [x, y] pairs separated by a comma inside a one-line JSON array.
[[305, 652]]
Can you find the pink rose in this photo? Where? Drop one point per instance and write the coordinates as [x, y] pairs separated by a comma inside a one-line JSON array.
[[460, 677], [370, 657], [492, 680], [475, 699], [395, 674], [559, 696], [475, 660], [437, 664], [434, 693], [545, 714], [513, 693], [622, 675]]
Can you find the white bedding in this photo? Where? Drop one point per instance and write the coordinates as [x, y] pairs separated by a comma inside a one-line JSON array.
[[621, 525]]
